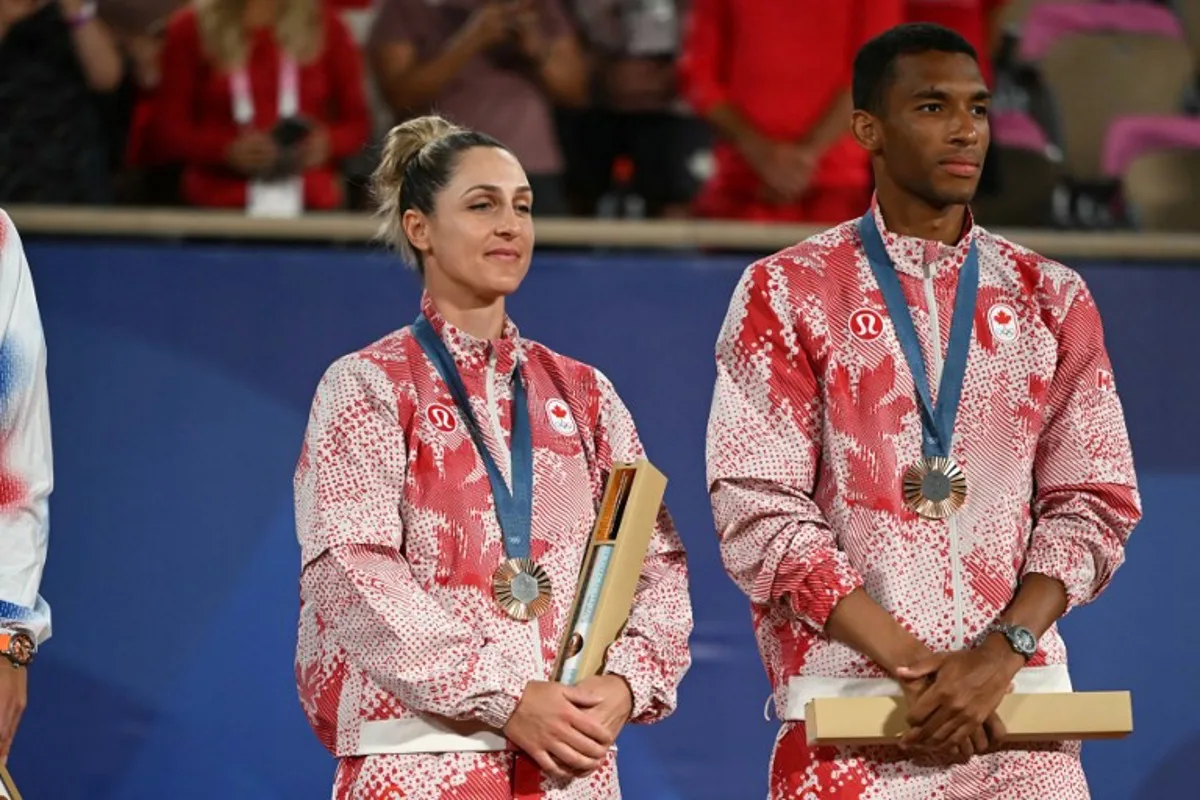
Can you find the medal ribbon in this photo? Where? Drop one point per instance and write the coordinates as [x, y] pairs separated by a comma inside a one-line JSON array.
[[514, 509], [937, 422]]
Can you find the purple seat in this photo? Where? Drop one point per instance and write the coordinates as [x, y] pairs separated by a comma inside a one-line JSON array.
[[1018, 130], [1049, 22], [1130, 137]]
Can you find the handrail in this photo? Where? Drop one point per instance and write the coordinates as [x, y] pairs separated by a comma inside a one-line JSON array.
[[125, 222]]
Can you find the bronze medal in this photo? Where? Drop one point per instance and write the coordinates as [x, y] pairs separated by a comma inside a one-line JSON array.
[[522, 588], [935, 487]]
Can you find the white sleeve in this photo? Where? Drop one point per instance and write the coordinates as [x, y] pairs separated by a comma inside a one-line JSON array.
[[26, 465]]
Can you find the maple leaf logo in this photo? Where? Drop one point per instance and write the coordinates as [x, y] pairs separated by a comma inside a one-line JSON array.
[[1002, 317], [559, 412]]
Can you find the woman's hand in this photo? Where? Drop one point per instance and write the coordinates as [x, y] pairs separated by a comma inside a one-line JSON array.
[[616, 701], [552, 725], [252, 153]]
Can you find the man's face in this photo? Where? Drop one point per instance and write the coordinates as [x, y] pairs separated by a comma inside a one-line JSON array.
[[934, 129]]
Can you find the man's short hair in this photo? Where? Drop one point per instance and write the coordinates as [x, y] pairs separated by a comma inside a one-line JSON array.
[[875, 62]]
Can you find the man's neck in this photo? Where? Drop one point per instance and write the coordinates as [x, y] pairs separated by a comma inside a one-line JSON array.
[[906, 215]]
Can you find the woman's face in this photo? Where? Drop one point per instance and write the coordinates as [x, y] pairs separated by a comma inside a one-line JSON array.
[[479, 239]]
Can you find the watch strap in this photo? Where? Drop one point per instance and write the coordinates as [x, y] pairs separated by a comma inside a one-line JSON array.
[[18, 647]]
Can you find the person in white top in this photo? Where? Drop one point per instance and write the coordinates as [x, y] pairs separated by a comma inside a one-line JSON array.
[[26, 479]]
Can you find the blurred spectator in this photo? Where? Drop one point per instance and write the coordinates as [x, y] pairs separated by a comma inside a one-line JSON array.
[[977, 21], [57, 61], [260, 99], [140, 27], [773, 78], [496, 66], [634, 110]]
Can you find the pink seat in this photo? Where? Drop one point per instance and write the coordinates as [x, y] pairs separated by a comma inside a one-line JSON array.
[[1049, 22], [1018, 130], [1130, 137]]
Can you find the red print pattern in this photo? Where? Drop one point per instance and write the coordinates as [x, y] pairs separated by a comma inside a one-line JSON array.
[[812, 426], [399, 540]]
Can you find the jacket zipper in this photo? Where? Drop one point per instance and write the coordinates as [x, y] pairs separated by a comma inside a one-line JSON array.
[[506, 456], [956, 583]]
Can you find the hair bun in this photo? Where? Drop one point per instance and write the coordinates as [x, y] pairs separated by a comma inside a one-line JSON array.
[[406, 140], [404, 143]]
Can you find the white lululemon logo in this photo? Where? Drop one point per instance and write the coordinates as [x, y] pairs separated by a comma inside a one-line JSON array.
[[866, 324], [560, 417], [441, 418]]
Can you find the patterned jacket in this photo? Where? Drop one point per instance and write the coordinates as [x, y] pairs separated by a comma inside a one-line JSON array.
[[26, 454], [399, 538], [815, 420]]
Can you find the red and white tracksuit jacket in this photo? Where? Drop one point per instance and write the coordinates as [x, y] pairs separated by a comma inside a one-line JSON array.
[[814, 421], [399, 634]]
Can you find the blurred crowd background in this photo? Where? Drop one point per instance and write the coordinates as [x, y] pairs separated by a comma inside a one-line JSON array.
[[732, 109]]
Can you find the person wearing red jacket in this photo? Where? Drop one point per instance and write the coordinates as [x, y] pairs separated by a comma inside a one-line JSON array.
[[773, 79], [445, 495], [917, 457], [259, 101], [977, 21]]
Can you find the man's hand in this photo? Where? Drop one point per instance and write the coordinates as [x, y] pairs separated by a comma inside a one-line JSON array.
[[616, 701], [554, 726], [13, 695], [956, 712]]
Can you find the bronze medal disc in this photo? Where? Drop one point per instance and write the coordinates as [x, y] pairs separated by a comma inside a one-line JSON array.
[[522, 588], [935, 487]]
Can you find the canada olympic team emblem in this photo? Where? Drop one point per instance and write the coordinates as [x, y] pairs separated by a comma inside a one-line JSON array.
[[560, 417], [1003, 322]]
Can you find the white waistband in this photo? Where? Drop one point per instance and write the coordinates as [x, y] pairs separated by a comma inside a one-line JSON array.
[[424, 735], [803, 688]]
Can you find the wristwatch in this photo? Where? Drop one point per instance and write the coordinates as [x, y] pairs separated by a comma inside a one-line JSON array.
[[18, 647], [1020, 638]]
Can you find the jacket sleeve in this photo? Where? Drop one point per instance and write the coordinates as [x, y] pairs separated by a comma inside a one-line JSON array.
[[26, 465], [348, 491], [702, 63], [652, 652], [1086, 500], [764, 447]]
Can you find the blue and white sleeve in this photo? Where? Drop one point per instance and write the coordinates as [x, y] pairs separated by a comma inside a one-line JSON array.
[[26, 463]]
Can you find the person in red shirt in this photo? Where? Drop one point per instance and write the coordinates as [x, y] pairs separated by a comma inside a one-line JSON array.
[[977, 21], [232, 72], [773, 78]]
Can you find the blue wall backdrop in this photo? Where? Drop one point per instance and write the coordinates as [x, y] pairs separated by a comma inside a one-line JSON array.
[[180, 379]]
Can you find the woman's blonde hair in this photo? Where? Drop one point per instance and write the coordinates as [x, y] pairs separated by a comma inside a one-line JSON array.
[[419, 158], [298, 31]]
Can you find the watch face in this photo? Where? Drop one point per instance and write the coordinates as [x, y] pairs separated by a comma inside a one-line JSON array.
[[21, 648], [1024, 641]]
